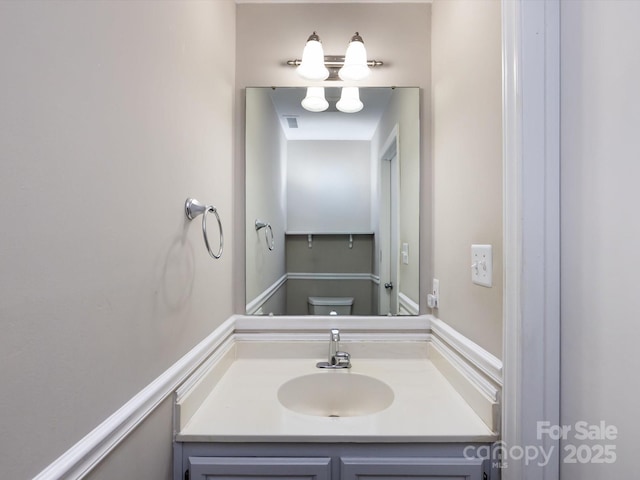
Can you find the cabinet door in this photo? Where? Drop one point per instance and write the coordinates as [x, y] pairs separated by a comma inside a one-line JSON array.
[[255, 468], [362, 468]]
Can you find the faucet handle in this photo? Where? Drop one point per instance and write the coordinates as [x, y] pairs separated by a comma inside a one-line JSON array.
[[342, 360]]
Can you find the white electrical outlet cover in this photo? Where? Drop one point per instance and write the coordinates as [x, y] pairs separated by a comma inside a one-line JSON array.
[[482, 265]]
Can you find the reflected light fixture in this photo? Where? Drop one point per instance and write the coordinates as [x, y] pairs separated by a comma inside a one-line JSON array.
[[315, 100], [312, 65], [355, 62], [349, 100]]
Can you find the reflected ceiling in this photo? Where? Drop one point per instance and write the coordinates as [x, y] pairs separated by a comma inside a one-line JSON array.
[[330, 124]]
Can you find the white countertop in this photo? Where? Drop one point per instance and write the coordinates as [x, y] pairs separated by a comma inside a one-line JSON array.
[[243, 407]]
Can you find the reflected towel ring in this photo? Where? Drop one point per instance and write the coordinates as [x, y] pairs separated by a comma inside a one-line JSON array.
[[193, 208], [267, 226]]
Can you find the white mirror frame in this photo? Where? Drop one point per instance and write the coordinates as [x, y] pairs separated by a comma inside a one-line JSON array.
[[531, 214]]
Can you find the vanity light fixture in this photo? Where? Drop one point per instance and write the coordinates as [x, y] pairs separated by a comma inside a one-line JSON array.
[[312, 65], [315, 100], [349, 100], [316, 66], [355, 63]]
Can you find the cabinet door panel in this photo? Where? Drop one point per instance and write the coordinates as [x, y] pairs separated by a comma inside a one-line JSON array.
[[259, 468], [362, 468]]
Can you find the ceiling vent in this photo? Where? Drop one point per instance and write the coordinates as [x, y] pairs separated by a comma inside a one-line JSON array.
[[292, 122]]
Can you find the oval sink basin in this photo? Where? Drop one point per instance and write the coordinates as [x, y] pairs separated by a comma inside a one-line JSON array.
[[335, 394]]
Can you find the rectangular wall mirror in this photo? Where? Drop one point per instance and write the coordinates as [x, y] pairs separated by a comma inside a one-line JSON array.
[[332, 204]]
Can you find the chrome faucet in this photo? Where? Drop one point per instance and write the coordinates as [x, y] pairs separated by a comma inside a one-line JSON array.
[[337, 358]]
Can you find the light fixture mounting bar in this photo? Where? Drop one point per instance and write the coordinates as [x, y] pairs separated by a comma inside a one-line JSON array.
[[335, 63]]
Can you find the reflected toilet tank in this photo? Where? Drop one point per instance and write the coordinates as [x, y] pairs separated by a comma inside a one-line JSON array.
[[330, 305]]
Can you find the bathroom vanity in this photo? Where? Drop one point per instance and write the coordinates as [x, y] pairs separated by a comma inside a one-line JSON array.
[[258, 410], [321, 461]]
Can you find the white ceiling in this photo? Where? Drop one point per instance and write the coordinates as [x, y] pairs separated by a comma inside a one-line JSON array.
[[330, 124]]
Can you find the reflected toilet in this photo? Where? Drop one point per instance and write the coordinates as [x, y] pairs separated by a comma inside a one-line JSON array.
[[330, 305]]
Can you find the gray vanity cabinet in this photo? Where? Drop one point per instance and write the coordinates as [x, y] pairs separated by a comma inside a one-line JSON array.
[[255, 468], [413, 468], [322, 461]]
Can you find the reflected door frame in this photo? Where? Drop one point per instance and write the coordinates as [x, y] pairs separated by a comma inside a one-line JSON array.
[[389, 225]]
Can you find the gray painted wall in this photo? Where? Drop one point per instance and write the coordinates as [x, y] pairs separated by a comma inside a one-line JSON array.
[[111, 114], [330, 254]]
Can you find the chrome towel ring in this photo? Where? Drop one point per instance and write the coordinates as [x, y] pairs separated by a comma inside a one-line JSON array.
[[193, 208], [267, 226]]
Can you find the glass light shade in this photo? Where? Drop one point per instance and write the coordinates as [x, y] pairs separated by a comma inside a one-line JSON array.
[[312, 65], [349, 100], [355, 62], [315, 101]]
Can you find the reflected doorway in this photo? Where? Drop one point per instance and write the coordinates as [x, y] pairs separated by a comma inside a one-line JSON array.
[[389, 226]]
